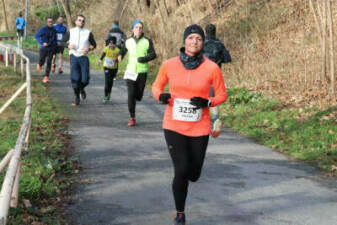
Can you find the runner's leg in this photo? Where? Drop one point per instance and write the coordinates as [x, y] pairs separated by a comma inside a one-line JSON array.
[[178, 148], [108, 81], [43, 55], [141, 82], [49, 55], [131, 86], [85, 71], [197, 152]]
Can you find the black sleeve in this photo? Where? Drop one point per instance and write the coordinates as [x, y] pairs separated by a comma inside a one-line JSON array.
[[65, 39], [102, 56], [123, 50], [151, 54], [226, 56], [92, 40]]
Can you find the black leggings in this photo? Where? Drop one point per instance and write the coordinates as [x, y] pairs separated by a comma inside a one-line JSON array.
[[46, 54], [110, 74], [187, 154], [135, 92]]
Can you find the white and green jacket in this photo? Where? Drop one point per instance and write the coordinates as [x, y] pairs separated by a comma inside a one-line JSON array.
[[140, 51]]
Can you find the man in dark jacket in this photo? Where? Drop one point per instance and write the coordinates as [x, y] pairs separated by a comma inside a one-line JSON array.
[[47, 39], [216, 51], [116, 32]]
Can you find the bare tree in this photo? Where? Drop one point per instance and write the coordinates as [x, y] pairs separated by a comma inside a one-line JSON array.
[[66, 7], [332, 51], [5, 14], [324, 23]]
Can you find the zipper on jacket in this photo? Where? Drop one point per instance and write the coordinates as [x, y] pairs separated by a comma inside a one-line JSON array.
[[188, 77], [79, 36]]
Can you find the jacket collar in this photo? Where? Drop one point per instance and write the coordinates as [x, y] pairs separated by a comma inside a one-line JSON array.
[[190, 62]]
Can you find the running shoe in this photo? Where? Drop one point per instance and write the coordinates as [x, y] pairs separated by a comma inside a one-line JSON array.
[[76, 101], [53, 68], [216, 128], [106, 99], [83, 94], [132, 122], [38, 67], [60, 70], [45, 79], [179, 219]]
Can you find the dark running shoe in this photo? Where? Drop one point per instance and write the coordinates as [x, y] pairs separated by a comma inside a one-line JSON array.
[[83, 94], [76, 101], [180, 219]]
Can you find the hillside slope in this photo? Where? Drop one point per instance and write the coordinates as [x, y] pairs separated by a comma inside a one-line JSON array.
[[274, 44]]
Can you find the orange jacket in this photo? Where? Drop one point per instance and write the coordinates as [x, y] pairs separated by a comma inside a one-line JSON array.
[[186, 84]]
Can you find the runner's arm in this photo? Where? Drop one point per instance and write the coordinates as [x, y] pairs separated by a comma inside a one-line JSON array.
[[226, 56], [65, 39], [102, 56], [151, 54], [38, 36], [218, 83], [92, 41], [160, 82]]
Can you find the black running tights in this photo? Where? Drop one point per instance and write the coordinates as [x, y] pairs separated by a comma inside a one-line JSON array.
[[110, 74], [187, 154], [135, 92]]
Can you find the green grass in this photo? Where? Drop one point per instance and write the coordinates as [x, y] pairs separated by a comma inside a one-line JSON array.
[[305, 134], [30, 43], [47, 160]]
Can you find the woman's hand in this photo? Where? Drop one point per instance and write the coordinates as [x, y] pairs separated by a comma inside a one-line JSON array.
[[164, 98], [200, 102]]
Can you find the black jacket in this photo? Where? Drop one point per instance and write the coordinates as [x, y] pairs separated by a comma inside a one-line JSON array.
[[216, 51]]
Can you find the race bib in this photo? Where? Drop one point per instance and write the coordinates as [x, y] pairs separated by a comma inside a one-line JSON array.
[[109, 62], [59, 37], [184, 111], [130, 75]]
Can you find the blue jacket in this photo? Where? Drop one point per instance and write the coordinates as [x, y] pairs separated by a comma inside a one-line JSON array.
[[60, 31], [46, 35], [20, 23]]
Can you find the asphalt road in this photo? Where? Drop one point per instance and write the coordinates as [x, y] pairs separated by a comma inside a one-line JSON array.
[[127, 172]]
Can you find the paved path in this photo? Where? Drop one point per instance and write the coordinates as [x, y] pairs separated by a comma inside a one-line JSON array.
[[127, 172]]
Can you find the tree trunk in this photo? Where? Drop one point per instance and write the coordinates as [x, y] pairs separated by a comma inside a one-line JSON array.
[[324, 56], [332, 52], [5, 14], [65, 4]]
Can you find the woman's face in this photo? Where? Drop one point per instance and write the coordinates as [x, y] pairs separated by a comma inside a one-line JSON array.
[[137, 30], [193, 44]]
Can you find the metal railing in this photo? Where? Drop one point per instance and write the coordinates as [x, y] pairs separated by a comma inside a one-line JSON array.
[[10, 185]]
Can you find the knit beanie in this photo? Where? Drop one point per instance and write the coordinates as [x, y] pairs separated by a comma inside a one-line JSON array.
[[194, 29], [136, 22], [112, 40]]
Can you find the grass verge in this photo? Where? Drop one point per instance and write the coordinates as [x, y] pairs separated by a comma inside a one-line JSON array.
[[305, 134], [47, 164]]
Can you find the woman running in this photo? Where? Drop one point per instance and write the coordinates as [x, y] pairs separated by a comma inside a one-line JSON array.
[[187, 121]]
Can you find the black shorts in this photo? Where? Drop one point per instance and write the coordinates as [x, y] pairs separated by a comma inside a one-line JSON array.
[[59, 50], [20, 32]]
